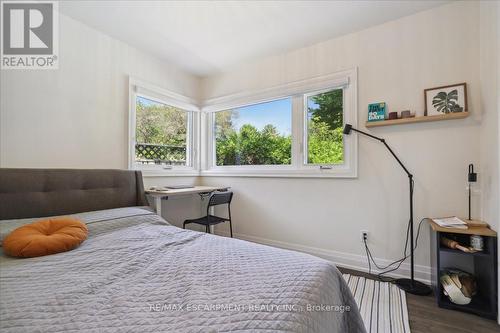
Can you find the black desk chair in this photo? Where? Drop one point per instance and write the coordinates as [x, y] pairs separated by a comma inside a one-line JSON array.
[[215, 200]]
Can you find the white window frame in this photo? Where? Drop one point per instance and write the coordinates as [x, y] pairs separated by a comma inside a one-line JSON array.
[[298, 91], [160, 95]]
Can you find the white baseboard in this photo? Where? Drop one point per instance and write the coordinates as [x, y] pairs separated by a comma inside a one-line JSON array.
[[342, 259]]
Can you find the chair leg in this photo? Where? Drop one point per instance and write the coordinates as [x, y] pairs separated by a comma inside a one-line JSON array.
[[231, 228], [207, 229]]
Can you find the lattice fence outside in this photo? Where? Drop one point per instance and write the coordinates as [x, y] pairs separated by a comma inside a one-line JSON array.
[[160, 154]]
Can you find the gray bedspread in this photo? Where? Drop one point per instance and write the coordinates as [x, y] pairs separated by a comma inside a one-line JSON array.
[[137, 273]]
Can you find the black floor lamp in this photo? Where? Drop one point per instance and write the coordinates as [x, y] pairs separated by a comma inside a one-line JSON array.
[[410, 285]]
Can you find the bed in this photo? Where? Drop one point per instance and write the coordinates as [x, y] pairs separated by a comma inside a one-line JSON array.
[[138, 273]]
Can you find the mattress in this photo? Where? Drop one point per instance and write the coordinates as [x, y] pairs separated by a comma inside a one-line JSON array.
[[137, 273]]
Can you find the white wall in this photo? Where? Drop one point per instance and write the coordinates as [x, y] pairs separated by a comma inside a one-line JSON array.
[[396, 62], [77, 116], [489, 140], [490, 107]]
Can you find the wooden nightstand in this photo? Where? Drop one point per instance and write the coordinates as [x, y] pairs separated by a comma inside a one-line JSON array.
[[483, 265]]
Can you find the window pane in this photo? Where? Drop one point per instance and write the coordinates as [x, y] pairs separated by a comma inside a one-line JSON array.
[[257, 134], [324, 123], [161, 133]]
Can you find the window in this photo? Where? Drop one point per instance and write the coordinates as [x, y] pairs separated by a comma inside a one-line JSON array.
[[162, 131], [293, 130], [325, 121], [265, 134], [258, 134]]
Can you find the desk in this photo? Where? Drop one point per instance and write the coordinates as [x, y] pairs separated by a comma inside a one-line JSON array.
[[158, 195]]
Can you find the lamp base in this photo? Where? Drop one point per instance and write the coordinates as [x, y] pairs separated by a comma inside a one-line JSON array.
[[414, 287]]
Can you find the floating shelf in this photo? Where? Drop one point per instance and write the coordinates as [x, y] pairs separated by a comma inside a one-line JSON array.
[[458, 115]]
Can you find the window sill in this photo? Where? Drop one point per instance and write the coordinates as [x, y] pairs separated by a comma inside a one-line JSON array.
[[257, 173], [247, 174], [280, 173], [169, 173]]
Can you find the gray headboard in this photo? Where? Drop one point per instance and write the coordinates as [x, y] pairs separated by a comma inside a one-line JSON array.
[[28, 193]]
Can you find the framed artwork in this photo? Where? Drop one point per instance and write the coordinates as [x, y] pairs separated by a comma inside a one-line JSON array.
[[446, 99]]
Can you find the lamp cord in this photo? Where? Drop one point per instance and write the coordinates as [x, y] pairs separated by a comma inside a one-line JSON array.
[[399, 262]]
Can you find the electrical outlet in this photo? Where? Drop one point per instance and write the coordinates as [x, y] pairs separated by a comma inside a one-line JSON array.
[[364, 236]]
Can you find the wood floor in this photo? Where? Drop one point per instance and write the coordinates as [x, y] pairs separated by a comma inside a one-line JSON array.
[[427, 317]]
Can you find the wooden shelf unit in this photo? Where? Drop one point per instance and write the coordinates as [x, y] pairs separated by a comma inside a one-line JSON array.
[[481, 231], [401, 121], [483, 265]]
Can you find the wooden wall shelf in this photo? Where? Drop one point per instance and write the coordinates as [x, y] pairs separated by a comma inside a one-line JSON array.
[[459, 115]]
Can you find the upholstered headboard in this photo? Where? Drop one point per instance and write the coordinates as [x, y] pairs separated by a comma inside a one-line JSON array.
[[28, 193]]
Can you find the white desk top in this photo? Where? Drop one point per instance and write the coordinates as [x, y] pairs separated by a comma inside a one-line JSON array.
[[183, 191]]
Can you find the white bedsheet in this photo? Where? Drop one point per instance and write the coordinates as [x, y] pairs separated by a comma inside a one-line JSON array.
[[137, 273]]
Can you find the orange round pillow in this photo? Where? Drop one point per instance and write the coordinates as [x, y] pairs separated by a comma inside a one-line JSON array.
[[45, 237]]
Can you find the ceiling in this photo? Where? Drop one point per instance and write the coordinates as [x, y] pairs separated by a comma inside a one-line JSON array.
[[208, 37]]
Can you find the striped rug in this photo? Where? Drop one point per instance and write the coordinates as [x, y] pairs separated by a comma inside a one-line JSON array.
[[382, 305]]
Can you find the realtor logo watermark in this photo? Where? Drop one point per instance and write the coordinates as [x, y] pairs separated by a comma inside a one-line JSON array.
[[30, 35]]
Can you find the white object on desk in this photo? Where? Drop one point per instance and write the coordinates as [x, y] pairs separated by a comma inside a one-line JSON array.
[[159, 194]]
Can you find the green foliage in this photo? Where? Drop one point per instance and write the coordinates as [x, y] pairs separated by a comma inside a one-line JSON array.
[[325, 140], [251, 146], [329, 108], [160, 124], [164, 129], [325, 145]]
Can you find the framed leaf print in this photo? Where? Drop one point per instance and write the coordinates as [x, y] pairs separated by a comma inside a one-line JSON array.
[[446, 99]]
